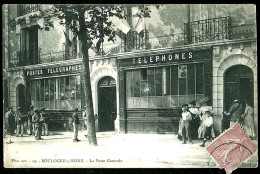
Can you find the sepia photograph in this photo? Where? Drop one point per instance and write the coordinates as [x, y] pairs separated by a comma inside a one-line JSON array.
[[130, 86]]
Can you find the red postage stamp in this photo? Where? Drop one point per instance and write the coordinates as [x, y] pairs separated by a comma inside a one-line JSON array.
[[231, 148]]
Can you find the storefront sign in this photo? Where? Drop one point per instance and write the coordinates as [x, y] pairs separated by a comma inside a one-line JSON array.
[[54, 70], [163, 58]]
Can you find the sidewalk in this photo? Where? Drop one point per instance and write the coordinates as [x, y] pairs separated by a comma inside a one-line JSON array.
[[113, 151]]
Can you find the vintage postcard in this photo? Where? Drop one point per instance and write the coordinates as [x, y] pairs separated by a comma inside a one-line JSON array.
[[130, 86]]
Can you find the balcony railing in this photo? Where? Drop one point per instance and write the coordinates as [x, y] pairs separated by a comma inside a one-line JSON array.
[[30, 57], [23, 9], [134, 41], [207, 30]]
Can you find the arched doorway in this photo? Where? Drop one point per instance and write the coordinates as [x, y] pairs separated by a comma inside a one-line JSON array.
[[106, 104], [238, 84], [21, 100]]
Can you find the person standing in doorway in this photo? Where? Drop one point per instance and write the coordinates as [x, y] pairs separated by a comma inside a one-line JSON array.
[[75, 122], [186, 118], [37, 124], [235, 111], [85, 118], [30, 123], [10, 123], [19, 120], [248, 124], [44, 119]]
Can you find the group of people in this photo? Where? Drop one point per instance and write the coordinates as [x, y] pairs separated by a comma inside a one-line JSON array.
[[35, 120], [243, 114], [196, 123]]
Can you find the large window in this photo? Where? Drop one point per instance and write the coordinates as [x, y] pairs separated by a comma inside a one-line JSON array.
[[164, 87], [60, 93]]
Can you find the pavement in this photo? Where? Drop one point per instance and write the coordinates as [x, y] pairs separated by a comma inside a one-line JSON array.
[[113, 151]]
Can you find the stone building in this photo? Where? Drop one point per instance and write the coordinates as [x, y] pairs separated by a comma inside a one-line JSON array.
[[181, 53]]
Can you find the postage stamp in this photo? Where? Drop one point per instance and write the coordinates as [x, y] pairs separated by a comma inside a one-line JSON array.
[[231, 148]]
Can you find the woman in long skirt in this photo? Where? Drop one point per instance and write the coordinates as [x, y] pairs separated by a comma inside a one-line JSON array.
[[248, 125]]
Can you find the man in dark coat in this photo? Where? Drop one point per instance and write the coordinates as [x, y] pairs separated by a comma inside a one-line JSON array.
[[44, 117], [19, 120], [30, 124], [75, 122], [235, 111], [10, 123]]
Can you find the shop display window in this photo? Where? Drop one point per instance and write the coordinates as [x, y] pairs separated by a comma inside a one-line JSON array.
[[164, 87], [59, 93]]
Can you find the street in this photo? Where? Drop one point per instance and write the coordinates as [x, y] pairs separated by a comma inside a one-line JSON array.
[[113, 151]]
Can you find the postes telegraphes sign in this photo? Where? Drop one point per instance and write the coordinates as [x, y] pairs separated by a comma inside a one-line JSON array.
[[53, 70]]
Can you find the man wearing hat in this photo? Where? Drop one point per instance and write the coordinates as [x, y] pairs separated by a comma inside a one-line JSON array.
[[19, 120], [36, 120], [44, 119], [30, 124], [235, 111]]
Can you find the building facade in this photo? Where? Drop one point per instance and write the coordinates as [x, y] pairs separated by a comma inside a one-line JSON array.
[[143, 79]]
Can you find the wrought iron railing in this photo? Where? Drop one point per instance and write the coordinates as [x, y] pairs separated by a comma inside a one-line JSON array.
[[207, 30], [243, 31], [23, 9], [30, 57], [134, 41]]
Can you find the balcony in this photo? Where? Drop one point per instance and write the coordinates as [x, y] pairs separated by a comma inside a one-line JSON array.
[[207, 30], [134, 41], [23, 9], [31, 57]]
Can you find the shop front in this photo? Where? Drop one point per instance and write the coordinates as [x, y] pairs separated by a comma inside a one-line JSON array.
[[153, 87], [56, 88]]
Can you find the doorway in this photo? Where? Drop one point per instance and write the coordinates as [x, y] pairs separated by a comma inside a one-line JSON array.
[[238, 84], [106, 104], [20, 100]]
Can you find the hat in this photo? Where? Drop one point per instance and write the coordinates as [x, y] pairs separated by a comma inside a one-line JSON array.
[[193, 103], [235, 101], [31, 106], [204, 100], [184, 105], [42, 109], [19, 108], [36, 110]]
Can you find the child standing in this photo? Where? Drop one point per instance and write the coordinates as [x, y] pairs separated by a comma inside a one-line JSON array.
[[207, 123], [186, 118]]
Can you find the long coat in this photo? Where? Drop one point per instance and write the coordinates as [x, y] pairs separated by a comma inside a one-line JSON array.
[[10, 122], [249, 121]]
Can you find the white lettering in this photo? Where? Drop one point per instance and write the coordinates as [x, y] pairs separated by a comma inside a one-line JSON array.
[[157, 58], [139, 60], [151, 59], [170, 57], [163, 58], [177, 57], [145, 61], [183, 56], [190, 55]]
